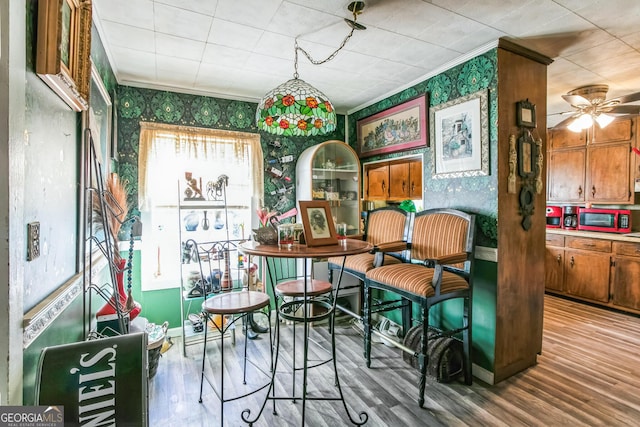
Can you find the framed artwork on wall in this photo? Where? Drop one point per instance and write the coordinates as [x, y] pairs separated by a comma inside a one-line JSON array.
[[460, 135], [525, 114], [317, 223], [64, 49], [99, 120], [396, 129]]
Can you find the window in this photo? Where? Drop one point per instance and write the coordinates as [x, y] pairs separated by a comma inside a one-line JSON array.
[[166, 154]]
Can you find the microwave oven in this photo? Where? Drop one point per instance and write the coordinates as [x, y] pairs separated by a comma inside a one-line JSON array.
[[608, 220]]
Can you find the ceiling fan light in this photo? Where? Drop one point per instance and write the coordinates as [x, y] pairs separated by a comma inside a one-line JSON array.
[[574, 126], [604, 120]]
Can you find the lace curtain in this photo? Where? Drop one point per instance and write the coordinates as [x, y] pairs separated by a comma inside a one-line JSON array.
[[167, 152]]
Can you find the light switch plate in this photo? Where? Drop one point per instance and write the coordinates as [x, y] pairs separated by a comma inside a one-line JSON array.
[[33, 240]]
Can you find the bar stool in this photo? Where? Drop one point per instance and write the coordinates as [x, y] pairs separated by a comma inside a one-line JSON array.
[[229, 308]]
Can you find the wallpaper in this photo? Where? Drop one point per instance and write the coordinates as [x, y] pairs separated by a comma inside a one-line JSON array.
[[479, 194], [136, 104]]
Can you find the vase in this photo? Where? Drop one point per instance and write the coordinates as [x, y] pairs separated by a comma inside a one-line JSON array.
[[191, 221], [110, 307]]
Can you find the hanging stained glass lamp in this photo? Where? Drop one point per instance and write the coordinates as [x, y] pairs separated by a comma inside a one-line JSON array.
[[295, 108]]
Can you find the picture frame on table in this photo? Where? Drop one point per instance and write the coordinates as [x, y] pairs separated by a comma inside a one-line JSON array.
[[398, 128], [460, 136], [63, 49], [317, 223]]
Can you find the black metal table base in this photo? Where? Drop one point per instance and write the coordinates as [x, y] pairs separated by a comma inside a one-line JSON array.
[[306, 320]]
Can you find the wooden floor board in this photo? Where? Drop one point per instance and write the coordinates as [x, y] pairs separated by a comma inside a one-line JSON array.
[[587, 375]]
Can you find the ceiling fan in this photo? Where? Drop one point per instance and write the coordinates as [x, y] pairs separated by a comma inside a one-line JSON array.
[[590, 104]]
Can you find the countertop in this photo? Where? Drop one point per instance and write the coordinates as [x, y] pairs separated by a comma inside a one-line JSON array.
[[629, 237]]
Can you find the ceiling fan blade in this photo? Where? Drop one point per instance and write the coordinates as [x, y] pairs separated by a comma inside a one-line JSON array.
[[632, 97], [577, 100], [623, 109]]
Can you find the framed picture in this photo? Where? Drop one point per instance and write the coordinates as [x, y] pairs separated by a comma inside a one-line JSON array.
[[317, 223], [99, 120], [526, 156], [64, 49], [525, 114], [460, 135], [398, 128]]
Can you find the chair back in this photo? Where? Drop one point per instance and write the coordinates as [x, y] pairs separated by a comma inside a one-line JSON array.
[[387, 224], [209, 267], [438, 232]]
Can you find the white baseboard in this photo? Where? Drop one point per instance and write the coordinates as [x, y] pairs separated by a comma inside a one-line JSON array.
[[482, 374]]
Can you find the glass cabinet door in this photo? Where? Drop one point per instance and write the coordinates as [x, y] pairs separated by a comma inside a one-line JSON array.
[[331, 171]]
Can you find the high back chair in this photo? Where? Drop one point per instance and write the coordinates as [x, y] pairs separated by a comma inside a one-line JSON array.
[[227, 299], [438, 267], [387, 229]]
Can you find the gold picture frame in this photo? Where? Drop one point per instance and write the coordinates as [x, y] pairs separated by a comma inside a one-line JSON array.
[[317, 223], [64, 49]]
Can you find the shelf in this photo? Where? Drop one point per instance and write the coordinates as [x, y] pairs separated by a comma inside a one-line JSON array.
[[203, 204]]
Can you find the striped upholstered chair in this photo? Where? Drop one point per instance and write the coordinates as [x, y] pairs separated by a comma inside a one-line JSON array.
[[386, 229], [439, 267]]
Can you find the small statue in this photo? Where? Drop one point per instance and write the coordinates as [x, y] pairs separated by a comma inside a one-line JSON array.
[[193, 191]]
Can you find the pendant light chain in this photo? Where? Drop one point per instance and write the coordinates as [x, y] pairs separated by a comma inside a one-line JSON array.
[[313, 61]]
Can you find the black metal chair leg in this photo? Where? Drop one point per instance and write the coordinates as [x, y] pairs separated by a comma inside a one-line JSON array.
[[204, 354], [367, 325], [424, 356]]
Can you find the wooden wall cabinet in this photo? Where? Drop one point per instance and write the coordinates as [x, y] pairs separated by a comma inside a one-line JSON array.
[[592, 166], [395, 180], [596, 270]]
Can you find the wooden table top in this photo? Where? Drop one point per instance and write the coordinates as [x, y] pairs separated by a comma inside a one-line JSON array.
[[347, 247]]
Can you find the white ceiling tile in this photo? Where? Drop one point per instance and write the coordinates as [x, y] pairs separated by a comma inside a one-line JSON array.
[[233, 35], [182, 23], [137, 13], [207, 7], [180, 48], [130, 37], [224, 56], [252, 13]]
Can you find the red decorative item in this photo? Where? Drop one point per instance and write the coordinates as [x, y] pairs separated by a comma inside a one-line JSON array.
[[110, 307]]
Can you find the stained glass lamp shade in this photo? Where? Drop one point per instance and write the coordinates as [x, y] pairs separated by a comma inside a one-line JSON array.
[[295, 108]]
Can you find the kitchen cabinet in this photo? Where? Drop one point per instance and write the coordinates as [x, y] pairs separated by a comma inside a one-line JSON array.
[[592, 166], [395, 180], [625, 285], [331, 171], [603, 271], [554, 263]]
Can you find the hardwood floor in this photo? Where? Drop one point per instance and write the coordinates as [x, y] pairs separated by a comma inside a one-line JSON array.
[[587, 375]]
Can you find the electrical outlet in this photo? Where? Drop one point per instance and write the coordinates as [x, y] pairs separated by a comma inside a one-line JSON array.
[[33, 240]]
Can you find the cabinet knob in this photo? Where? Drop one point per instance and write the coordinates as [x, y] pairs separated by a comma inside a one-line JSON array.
[[384, 186], [593, 191], [404, 185], [572, 262], [413, 186], [559, 258], [580, 190]]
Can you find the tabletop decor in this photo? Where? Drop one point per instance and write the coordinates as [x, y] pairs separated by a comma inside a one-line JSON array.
[[317, 222]]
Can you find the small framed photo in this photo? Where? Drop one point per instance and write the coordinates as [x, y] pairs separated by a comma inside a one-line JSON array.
[[317, 223], [525, 114]]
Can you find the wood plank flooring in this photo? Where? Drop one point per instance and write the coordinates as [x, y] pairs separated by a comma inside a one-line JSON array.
[[587, 375]]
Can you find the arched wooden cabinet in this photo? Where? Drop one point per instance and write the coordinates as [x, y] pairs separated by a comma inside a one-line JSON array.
[[331, 171]]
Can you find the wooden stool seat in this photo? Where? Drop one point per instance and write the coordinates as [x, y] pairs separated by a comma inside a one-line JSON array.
[[296, 288], [236, 302]]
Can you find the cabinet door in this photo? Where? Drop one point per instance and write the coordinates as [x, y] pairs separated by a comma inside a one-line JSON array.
[[378, 182], [586, 274], [566, 175], [625, 284], [399, 181], [617, 131], [564, 138], [554, 268], [609, 173], [415, 180]]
